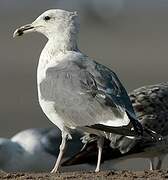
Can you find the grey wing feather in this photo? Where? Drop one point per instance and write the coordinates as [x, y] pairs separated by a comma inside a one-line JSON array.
[[114, 88], [107, 83]]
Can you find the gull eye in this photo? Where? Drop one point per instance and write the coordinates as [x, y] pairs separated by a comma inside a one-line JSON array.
[[46, 18]]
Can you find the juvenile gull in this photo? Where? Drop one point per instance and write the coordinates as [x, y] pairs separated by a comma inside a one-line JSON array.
[[33, 150], [76, 92], [151, 107]]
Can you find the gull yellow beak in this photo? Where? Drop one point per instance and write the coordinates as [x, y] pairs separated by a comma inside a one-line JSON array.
[[23, 30]]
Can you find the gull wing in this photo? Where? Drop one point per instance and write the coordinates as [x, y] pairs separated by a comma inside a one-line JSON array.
[[103, 84], [86, 93]]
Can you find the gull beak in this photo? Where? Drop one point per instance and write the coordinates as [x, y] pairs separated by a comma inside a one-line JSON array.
[[23, 30]]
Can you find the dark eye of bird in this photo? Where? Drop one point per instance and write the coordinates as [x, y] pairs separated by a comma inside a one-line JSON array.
[[46, 18]]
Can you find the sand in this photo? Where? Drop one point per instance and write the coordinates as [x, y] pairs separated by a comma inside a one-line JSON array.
[[125, 175]]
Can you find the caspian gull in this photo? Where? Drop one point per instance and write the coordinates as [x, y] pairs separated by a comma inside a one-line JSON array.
[[76, 92]]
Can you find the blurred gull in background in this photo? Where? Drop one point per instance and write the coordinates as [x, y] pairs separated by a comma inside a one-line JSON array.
[[33, 150]]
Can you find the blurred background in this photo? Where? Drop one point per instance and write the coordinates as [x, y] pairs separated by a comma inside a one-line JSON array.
[[129, 36]]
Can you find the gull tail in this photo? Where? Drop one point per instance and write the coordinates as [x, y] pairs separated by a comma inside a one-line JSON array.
[[142, 131]]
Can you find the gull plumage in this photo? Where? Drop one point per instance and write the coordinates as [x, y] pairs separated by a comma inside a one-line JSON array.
[[151, 107]]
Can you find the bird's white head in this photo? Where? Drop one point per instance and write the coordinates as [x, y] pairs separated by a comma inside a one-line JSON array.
[[53, 23]]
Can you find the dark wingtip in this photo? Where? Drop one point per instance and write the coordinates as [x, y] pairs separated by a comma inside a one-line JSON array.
[[153, 135], [136, 125]]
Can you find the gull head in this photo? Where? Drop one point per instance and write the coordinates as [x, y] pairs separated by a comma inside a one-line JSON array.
[[52, 23]]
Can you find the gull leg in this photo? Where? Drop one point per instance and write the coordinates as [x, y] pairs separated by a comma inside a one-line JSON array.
[[160, 161], [151, 161], [61, 152], [100, 143]]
